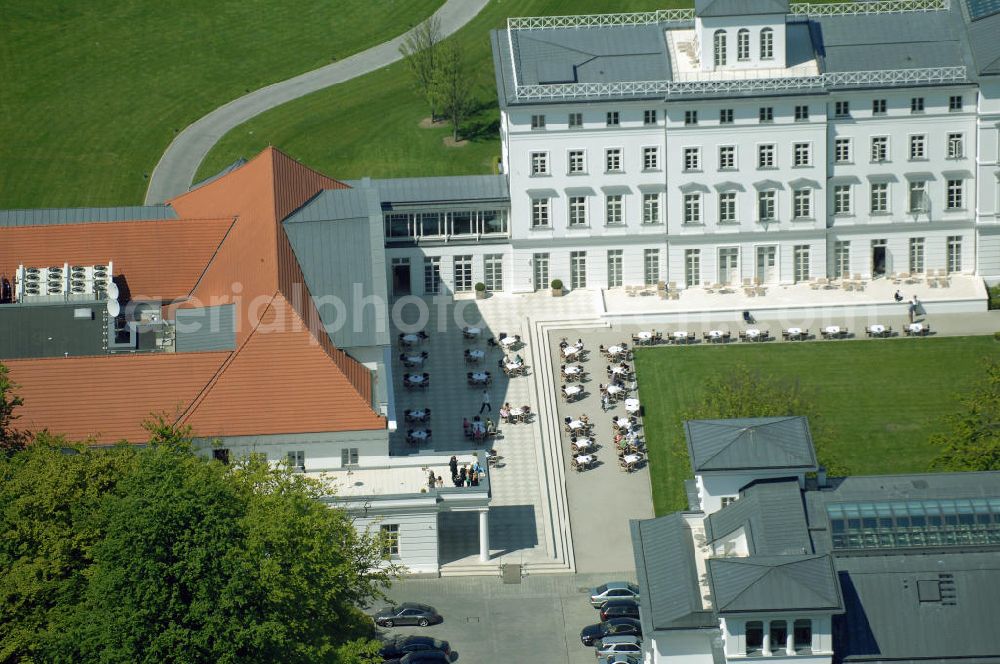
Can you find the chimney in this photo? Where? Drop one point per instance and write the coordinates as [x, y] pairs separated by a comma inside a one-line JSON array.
[[821, 478]]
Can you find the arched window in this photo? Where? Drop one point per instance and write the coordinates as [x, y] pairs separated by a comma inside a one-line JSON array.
[[767, 44], [743, 44], [720, 48]]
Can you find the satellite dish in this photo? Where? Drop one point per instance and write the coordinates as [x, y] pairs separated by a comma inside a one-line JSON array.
[[114, 308], [113, 290]]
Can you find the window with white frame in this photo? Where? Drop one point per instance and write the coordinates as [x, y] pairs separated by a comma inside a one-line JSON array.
[[650, 208], [842, 199], [539, 163], [766, 114], [918, 196], [692, 208], [727, 207], [690, 117], [743, 45], [432, 275], [842, 109], [390, 540], [956, 146], [719, 48], [578, 269], [880, 148], [955, 103], [879, 198], [576, 162], [954, 256], [801, 113], [692, 159], [296, 459], [916, 255], [916, 105], [802, 203], [493, 272], [575, 120], [649, 116], [650, 158], [767, 44], [726, 501], [538, 122], [767, 205], [612, 119], [348, 456], [841, 258], [613, 213], [955, 194], [878, 107], [801, 154], [615, 268], [765, 156], [842, 150], [918, 147], [462, 268], [651, 266], [726, 116], [577, 210], [613, 160], [692, 267], [800, 263], [727, 157], [539, 212]]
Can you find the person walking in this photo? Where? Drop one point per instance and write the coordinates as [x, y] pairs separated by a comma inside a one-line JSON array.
[[453, 464], [913, 308], [486, 402]]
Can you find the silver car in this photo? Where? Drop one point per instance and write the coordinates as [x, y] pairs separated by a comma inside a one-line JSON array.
[[613, 590], [619, 645], [621, 659]]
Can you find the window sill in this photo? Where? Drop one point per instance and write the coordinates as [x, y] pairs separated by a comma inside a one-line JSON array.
[[574, 227], [918, 159], [810, 219], [843, 163], [617, 224], [691, 170], [540, 175], [881, 213], [728, 169], [958, 209], [802, 166], [651, 223], [688, 224], [880, 162], [729, 223], [540, 228], [618, 172], [652, 170], [577, 173], [843, 215], [767, 168]]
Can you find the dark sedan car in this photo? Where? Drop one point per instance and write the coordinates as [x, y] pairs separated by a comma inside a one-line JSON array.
[[423, 657], [403, 645], [590, 634], [620, 608], [407, 613]]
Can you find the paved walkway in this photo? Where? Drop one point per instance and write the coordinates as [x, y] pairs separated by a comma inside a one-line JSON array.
[[176, 169]]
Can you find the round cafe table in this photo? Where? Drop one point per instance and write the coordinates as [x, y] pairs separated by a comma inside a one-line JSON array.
[[618, 370], [416, 379], [715, 334], [410, 338], [614, 389], [916, 328], [752, 333], [418, 415], [472, 331], [480, 376], [645, 335], [576, 425], [419, 434], [631, 405], [794, 331], [508, 341], [477, 354], [877, 329], [832, 329], [680, 334], [615, 350]]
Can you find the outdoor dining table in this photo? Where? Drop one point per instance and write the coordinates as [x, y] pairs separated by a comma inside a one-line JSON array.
[[571, 351], [414, 360], [480, 376], [415, 379], [508, 341], [631, 458], [410, 339], [876, 329], [478, 427], [584, 459], [576, 425], [832, 330], [794, 331], [618, 370], [572, 390], [417, 415], [615, 350], [573, 371], [752, 333], [680, 335], [511, 366], [645, 335], [419, 434], [631, 405], [916, 328], [477, 354], [472, 331], [582, 444], [622, 422], [716, 335], [615, 389]]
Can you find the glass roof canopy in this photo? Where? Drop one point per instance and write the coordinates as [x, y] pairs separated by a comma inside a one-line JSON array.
[[914, 523]]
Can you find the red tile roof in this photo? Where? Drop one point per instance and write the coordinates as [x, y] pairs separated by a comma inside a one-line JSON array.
[[285, 376]]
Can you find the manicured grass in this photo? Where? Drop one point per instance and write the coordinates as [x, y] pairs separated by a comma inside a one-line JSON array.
[[91, 93], [878, 401], [370, 126]]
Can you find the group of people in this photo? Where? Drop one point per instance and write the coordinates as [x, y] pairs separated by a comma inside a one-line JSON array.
[[467, 475], [512, 415], [477, 428], [622, 351]]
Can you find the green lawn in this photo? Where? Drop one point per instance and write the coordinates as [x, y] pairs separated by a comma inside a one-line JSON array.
[[92, 92], [878, 401]]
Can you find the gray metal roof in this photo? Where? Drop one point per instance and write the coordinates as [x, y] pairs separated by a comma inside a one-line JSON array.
[[225, 171], [919, 608], [774, 583], [713, 8], [51, 330], [58, 216], [444, 189], [979, 9], [772, 515], [984, 41], [337, 239], [757, 443], [668, 579], [206, 329]]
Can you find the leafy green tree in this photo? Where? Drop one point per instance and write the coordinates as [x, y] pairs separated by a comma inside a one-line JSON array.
[[11, 440], [419, 51], [972, 438], [450, 86], [155, 554]]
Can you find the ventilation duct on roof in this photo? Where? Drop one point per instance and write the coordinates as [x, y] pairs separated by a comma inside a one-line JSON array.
[[58, 283]]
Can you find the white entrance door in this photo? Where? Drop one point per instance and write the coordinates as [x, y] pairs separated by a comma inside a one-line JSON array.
[[767, 264], [728, 265]]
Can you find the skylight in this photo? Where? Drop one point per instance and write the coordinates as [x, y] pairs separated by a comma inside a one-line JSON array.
[[914, 523]]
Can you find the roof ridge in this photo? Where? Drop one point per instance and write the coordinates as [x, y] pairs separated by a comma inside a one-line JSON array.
[[215, 254]]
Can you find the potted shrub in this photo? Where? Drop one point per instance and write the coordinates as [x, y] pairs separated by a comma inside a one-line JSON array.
[[480, 291], [557, 288]]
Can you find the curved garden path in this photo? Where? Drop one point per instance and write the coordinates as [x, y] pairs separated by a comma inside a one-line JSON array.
[[176, 169]]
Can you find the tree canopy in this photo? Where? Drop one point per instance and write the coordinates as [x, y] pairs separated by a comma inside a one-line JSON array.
[[155, 554], [971, 440], [419, 51], [11, 439]]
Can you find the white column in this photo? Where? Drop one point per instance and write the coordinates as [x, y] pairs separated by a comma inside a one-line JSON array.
[[484, 536], [790, 639], [766, 645]]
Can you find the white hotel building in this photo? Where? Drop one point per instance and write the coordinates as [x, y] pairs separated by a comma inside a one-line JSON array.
[[739, 140]]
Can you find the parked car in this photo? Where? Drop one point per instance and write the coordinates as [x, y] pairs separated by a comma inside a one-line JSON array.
[[422, 657], [403, 645], [619, 645], [620, 608], [614, 627], [613, 590], [407, 613], [621, 658]]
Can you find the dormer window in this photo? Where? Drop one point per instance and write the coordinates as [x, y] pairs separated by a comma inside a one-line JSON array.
[[719, 41], [743, 44], [767, 44]]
